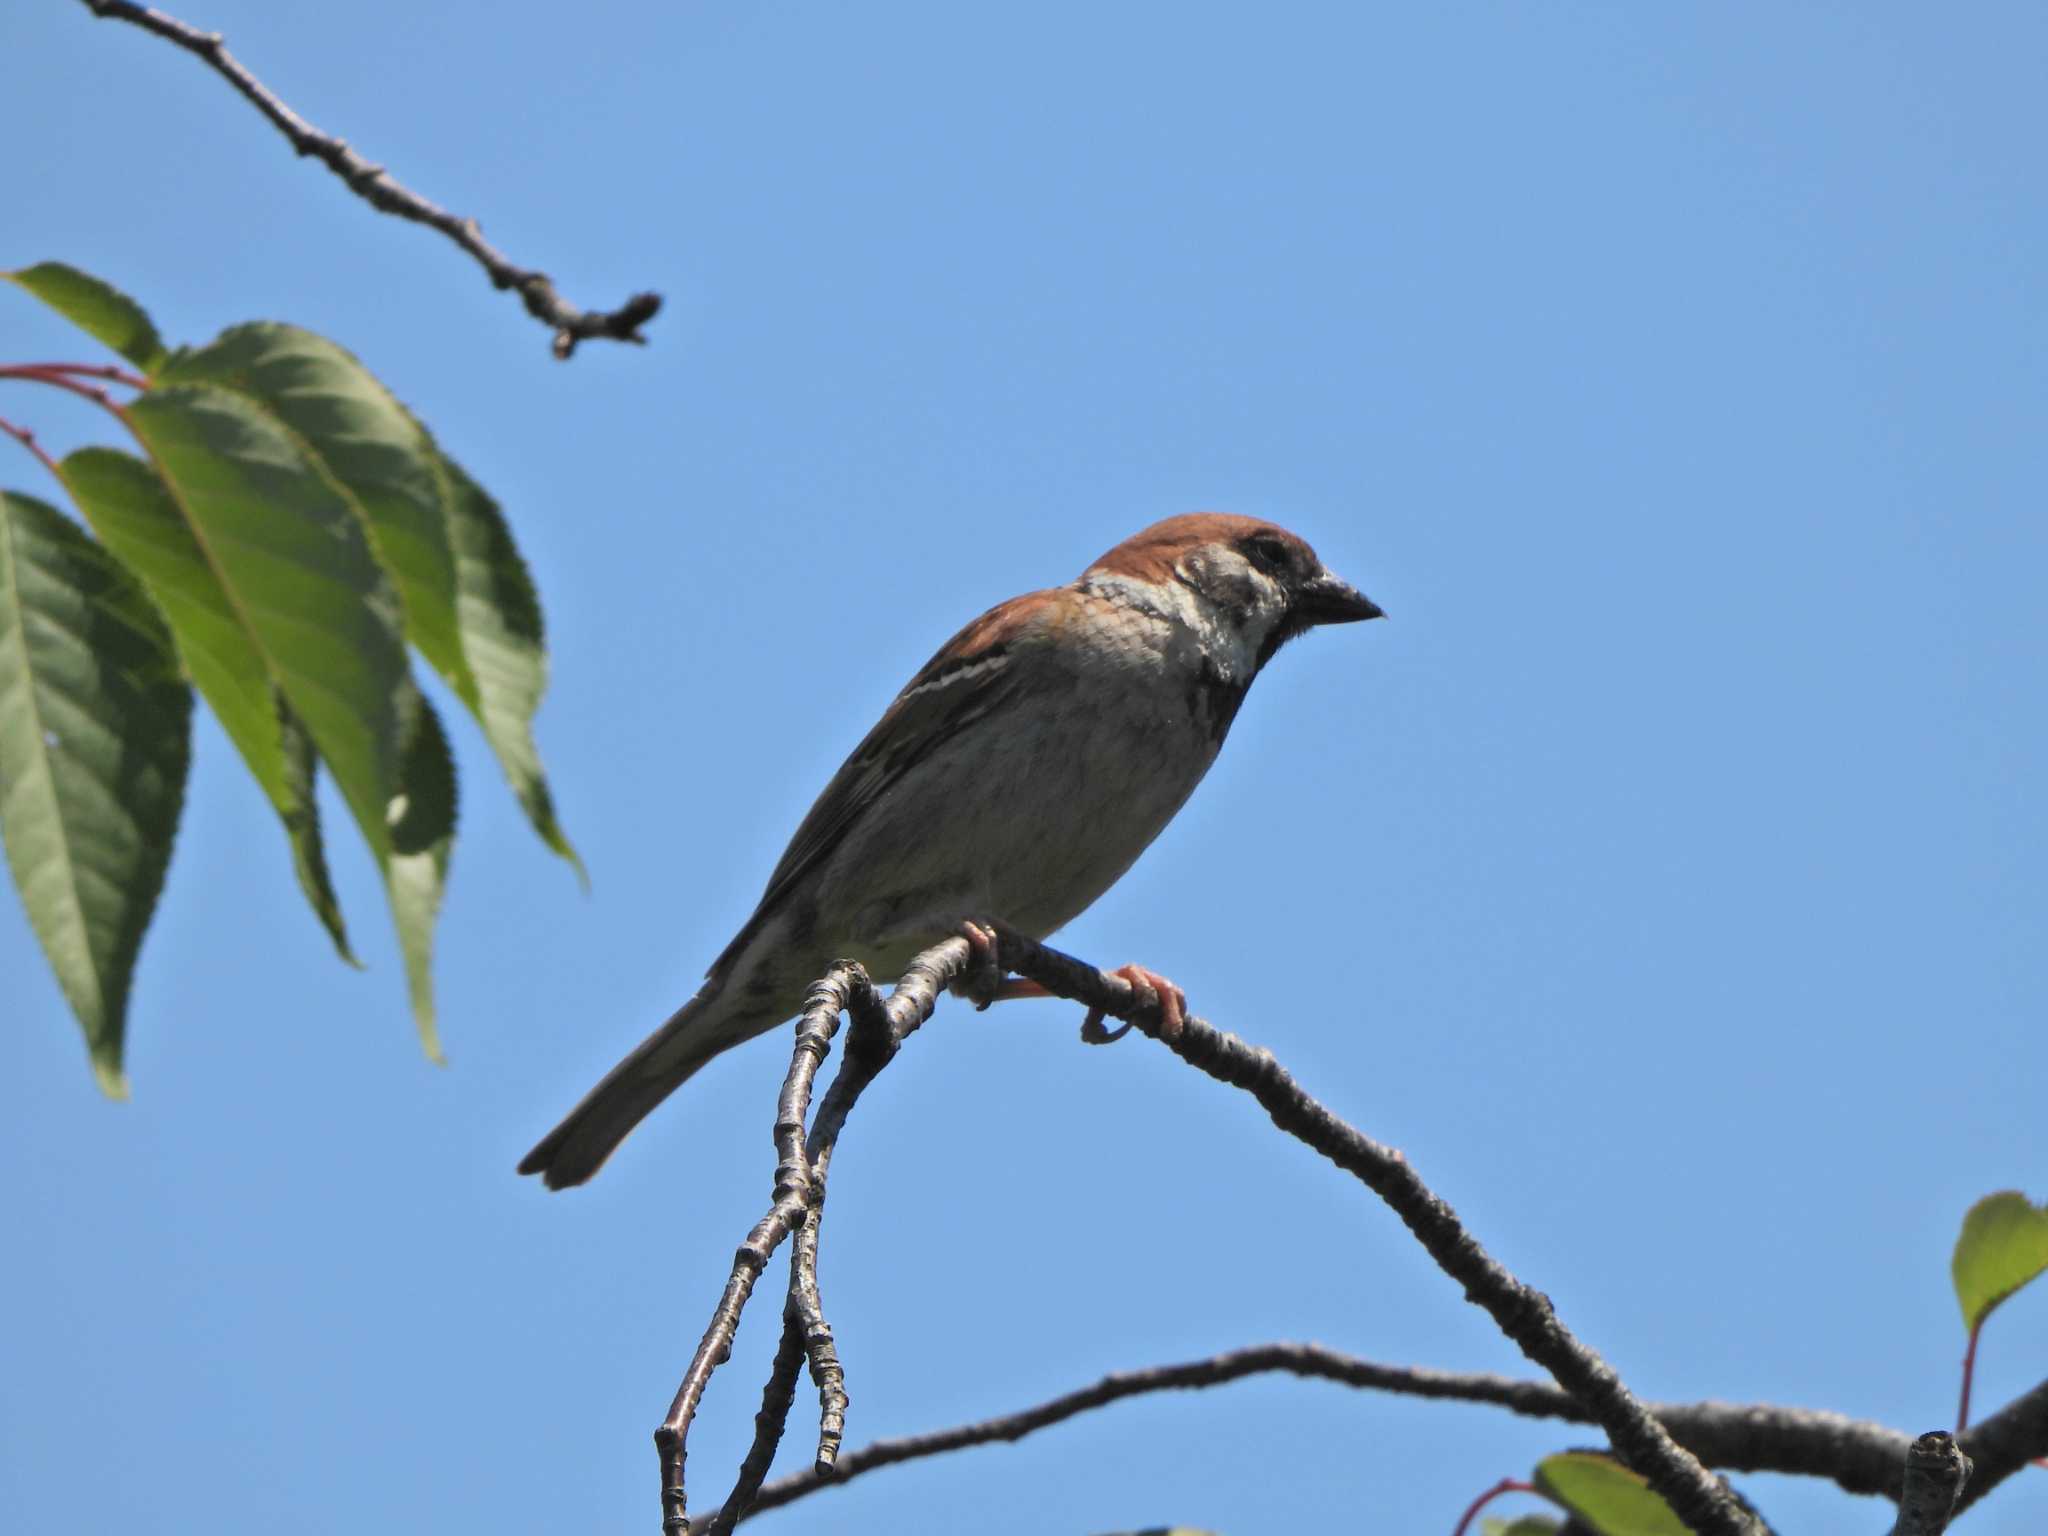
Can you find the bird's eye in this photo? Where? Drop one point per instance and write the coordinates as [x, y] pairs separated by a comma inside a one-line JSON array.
[[1268, 553]]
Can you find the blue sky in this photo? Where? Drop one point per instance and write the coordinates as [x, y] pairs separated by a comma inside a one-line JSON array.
[[1665, 877]]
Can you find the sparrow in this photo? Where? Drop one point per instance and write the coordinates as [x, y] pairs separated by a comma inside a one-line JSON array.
[[1013, 780]]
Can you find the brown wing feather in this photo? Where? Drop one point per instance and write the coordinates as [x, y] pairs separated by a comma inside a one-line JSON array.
[[967, 678]]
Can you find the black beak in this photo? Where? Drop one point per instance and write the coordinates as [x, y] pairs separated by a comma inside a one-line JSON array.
[[1323, 599]]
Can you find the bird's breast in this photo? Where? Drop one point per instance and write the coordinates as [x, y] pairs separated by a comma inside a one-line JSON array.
[[1036, 811]]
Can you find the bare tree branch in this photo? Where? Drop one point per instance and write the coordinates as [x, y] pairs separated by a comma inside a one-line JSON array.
[[814, 1032], [879, 1029], [808, 1304], [777, 1396], [384, 193], [1860, 1457], [1935, 1474], [806, 1336], [2002, 1444], [1700, 1499]]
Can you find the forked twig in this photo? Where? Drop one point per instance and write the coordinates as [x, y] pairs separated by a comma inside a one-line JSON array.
[[878, 1030], [382, 191], [1860, 1457], [1702, 1500]]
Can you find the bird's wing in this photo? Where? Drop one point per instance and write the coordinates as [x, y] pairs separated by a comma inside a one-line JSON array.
[[969, 677]]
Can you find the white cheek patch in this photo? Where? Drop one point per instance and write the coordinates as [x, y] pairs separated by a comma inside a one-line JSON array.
[[1218, 600], [1244, 605]]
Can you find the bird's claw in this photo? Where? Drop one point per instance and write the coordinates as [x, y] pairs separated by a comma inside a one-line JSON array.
[[1092, 1032], [982, 982], [1171, 1002]]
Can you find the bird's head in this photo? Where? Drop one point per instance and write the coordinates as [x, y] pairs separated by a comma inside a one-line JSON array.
[[1252, 579]]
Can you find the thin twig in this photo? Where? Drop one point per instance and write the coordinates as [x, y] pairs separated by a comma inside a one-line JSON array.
[[1505, 1485], [59, 377], [381, 191], [27, 439], [1969, 1374], [1524, 1314], [878, 1030], [814, 1031], [1858, 1456], [90, 371], [1936, 1472], [819, 1349], [870, 1043], [777, 1396], [2005, 1442]]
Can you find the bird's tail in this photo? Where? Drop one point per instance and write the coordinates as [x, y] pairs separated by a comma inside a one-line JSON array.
[[660, 1064]]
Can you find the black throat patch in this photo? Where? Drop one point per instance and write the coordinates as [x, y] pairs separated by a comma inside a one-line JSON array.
[[1214, 699]]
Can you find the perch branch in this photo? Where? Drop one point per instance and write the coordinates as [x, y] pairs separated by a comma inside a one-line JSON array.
[[1935, 1474], [377, 187], [1524, 1314], [1858, 1456], [2000, 1445]]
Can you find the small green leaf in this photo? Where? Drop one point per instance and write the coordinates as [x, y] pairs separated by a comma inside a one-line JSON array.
[[99, 309], [1523, 1525], [1606, 1495], [95, 723], [132, 510], [2003, 1246], [422, 837]]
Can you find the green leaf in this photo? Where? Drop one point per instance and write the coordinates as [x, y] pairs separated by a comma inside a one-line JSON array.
[[422, 837], [1524, 1525], [1606, 1495], [2003, 1246], [469, 603], [302, 827], [372, 451], [501, 631], [97, 308], [295, 566], [133, 511], [293, 634], [95, 730]]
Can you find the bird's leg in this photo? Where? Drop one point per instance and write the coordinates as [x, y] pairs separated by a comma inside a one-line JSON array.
[[1171, 1002], [983, 982]]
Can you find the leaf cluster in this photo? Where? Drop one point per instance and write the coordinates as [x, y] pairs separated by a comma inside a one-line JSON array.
[[280, 540]]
